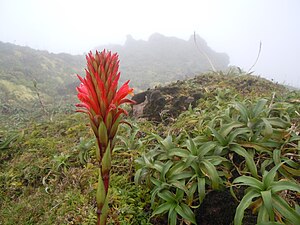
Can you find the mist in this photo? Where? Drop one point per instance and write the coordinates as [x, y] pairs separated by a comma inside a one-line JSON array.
[[233, 27]]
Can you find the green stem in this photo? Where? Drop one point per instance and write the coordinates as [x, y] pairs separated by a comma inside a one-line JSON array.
[[102, 197]]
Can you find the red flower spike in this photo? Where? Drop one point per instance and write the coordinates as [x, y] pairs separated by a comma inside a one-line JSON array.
[[98, 90], [101, 100]]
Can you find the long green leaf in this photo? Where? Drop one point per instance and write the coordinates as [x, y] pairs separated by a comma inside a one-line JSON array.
[[233, 135], [295, 138], [172, 215], [190, 160], [249, 160], [201, 188], [138, 176], [156, 182], [163, 208], [268, 131], [244, 204], [263, 215], [285, 210], [205, 148], [297, 208], [212, 173], [278, 122], [249, 181], [177, 168], [196, 168], [258, 109], [257, 146], [167, 196], [227, 128], [243, 111], [167, 142], [157, 165], [277, 156], [285, 185], [165, 169], [183, 153], [294, 172], [191, 146], [181, 176], [271, 144], [179, 185], [267, 199], [157, 137], [155, 190], [216, 160], [268, 177], [179, 195], [264, 164], [218, 136], [185, 212], [191, 193]]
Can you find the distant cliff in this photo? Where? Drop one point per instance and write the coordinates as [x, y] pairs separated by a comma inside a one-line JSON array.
[[163, 59]]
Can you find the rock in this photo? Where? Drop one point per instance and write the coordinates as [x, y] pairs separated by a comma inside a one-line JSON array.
[[155, 105], [140, 97], [164, 103], [138, 109]]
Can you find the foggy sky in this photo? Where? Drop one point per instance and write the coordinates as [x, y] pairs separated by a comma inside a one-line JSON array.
[[232, 26]]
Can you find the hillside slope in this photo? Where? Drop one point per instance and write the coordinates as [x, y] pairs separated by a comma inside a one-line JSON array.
[[48, 172], [21, 68]]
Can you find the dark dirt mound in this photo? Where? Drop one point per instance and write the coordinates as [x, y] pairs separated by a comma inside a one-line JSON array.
[[166, 103], [218, 208]]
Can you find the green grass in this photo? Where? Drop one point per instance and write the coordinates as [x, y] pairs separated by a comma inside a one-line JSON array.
[[43, 182]]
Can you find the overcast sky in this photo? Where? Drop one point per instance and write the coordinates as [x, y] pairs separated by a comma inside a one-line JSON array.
[[232, 26]]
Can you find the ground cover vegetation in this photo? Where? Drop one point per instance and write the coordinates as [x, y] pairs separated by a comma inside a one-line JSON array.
[[234, 153]]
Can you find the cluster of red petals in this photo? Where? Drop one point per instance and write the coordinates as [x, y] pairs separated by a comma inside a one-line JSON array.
[[98, 89]]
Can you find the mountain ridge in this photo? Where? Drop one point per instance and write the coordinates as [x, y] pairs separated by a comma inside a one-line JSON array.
[[169, 58], [26, 73]]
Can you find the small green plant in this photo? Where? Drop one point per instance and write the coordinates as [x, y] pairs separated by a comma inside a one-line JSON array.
[[180, 173], [84, 148], [173, 205], [61, 162], [264, 196], [227, 140], [129, 138]]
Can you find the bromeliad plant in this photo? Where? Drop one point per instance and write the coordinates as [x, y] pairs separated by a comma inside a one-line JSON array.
[[264, 196], [249, 143], [180, 174], [101, 101]]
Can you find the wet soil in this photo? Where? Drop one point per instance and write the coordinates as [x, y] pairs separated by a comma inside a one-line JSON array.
[[218, 208]]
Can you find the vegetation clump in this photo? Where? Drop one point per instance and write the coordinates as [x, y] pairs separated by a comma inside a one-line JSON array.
[[232, 139]]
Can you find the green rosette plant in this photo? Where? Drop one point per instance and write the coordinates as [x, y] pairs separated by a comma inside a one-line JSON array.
[[265, 197], [101, 101]]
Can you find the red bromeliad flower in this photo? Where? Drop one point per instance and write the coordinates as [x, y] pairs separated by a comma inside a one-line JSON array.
[[101, 100], [98, 91]]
